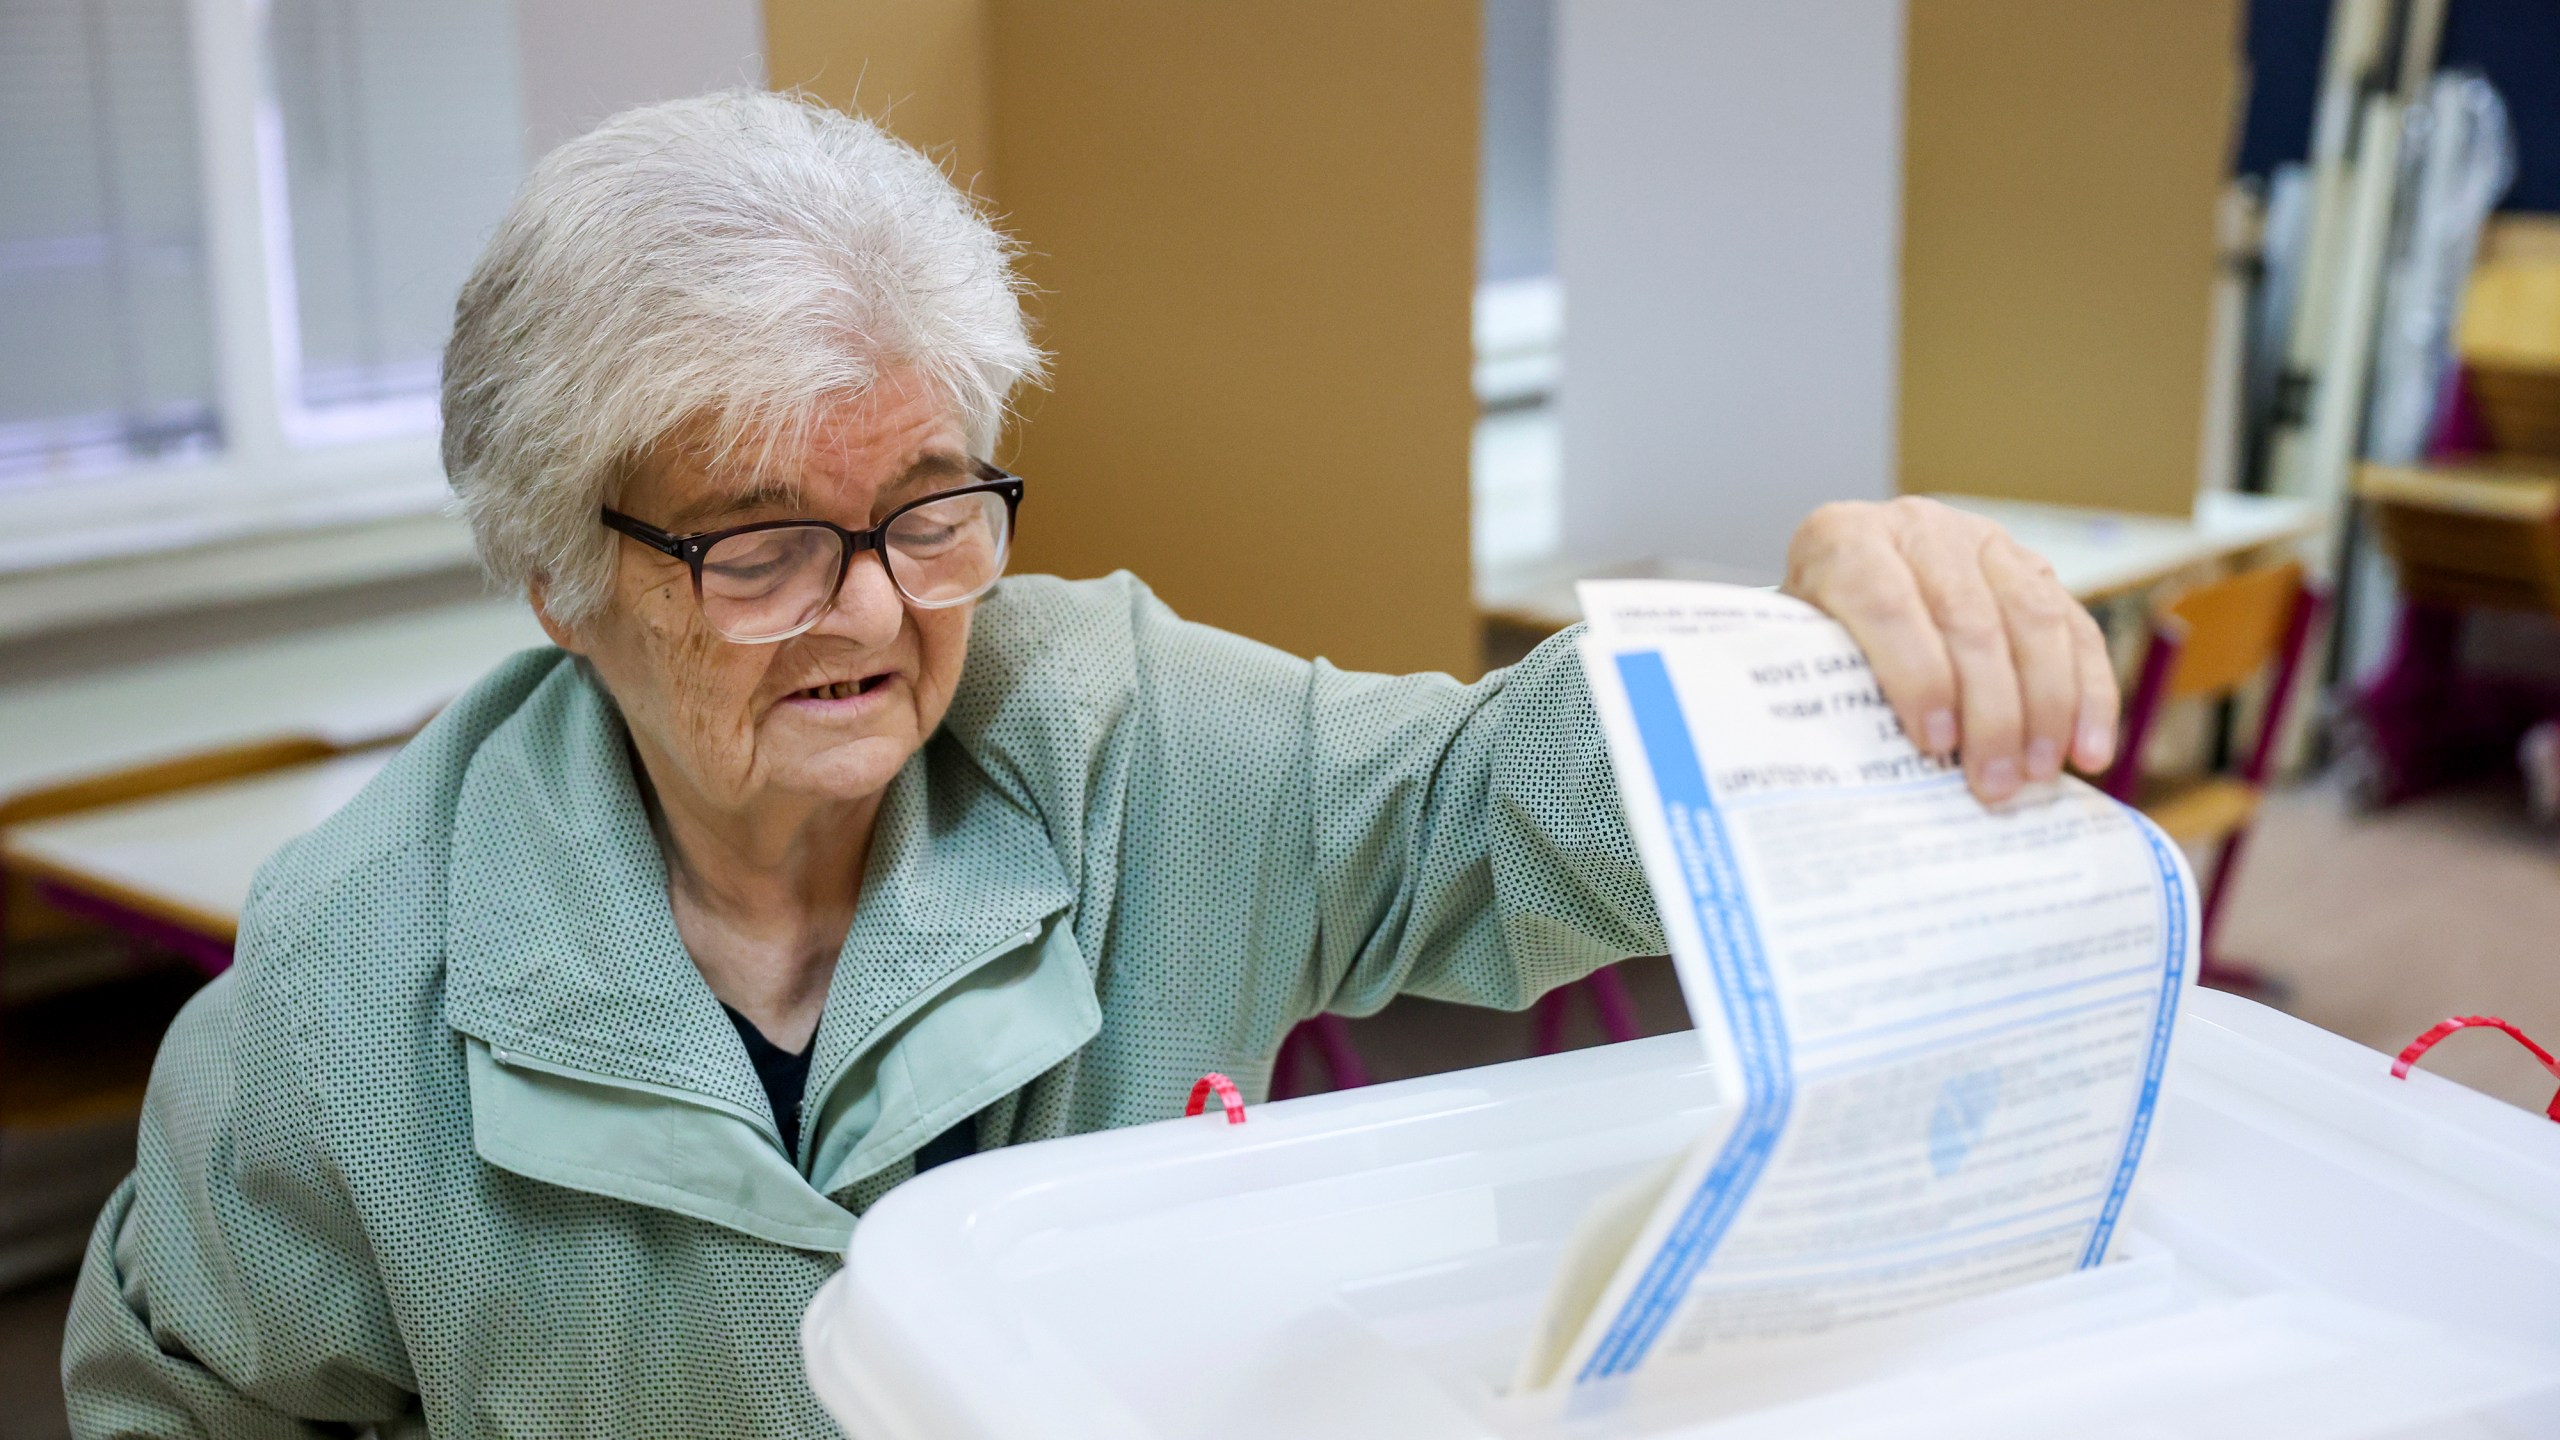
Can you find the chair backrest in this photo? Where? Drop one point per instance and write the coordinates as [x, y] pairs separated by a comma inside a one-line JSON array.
[[2229, 630], [2209, 641]]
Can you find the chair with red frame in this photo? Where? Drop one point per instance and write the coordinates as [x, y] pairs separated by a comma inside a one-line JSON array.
[[2206, 644], [1326, 1041], [1610, 1003]]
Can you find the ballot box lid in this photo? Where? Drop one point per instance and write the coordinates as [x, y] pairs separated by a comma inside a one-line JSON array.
[[2316, 1250]]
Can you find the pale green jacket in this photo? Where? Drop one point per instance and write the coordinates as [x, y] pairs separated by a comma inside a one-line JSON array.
[[464, 1145]]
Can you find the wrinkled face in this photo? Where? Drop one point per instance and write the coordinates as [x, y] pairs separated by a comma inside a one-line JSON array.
[[829, 714]]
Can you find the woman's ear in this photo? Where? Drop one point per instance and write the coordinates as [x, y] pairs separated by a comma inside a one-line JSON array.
[[538, 591]]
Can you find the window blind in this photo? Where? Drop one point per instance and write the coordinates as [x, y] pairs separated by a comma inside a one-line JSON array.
[[106, 352], [403, 142]]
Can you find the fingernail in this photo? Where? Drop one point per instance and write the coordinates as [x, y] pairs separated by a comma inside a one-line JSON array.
[[1938, 731], [1999, 779], [2044, 759], [2097, 742]]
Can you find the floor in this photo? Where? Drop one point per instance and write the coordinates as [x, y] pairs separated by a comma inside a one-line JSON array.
[[2376, 926], [2379, 926]]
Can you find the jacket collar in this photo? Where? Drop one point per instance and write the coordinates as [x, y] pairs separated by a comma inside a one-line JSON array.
[[637, 1144], [562, 949], [989, 1032]]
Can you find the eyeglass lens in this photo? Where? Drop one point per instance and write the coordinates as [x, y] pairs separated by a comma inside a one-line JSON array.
[[771, 584]]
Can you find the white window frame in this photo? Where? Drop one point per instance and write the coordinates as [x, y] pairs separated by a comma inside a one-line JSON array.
[[281, 471]]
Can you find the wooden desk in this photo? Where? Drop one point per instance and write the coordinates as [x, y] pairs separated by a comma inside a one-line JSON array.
[[2478, 535], [2098, 555], [175, 869], [339, 686], [2526, 490], [2481, 534], [125, 733]]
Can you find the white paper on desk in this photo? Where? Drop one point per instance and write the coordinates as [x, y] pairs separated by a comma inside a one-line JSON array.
[[1948, 1024]]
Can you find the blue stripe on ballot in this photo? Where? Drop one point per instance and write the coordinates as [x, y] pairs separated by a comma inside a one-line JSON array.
[[1712, 884], [2173, 937]]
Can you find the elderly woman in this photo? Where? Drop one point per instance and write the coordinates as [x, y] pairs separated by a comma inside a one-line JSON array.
[[557, 1068]]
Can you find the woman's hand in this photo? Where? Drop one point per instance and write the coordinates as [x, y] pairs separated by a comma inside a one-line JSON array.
[[1977, 647]]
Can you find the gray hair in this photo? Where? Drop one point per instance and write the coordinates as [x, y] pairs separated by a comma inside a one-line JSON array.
[[735, 259]]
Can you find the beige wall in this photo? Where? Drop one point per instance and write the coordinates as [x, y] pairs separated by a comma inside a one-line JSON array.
[[919, 66], [2062, 163], [1252, 226]]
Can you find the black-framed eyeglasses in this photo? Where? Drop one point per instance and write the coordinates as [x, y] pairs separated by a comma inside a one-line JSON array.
[[769, 581]]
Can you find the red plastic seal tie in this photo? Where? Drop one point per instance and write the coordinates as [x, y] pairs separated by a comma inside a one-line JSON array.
[[2427, 1042], [1228, 1096]]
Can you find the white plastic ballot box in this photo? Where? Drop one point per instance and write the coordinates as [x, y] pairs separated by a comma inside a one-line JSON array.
[[2315, 1250]]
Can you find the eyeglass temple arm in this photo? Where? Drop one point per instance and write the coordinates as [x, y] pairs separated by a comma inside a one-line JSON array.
[[640, 530]]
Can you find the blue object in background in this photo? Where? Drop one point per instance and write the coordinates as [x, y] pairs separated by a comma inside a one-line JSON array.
[[2516, 43]]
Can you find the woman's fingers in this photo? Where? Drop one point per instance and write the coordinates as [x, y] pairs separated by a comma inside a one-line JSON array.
[[2037, 617], [1843, 560], [1946, 560], [1973, 641], [2093, 744]]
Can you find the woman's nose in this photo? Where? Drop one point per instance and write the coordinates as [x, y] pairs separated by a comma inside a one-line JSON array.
[[868, 608]]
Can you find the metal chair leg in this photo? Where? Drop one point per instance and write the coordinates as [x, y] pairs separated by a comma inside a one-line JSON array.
[[2211, 968], [1546, 1022], [1607, 991], [1328, 1039], [1617, 1008], [1341, 1057], [1285, 1064]]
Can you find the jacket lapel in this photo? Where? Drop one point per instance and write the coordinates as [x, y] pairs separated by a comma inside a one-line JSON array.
[[993, 1028], [599, 1059], [654, 1148], [960, 980], [560, 946]]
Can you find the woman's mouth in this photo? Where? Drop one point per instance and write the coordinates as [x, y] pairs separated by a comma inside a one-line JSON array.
[[836, 692]]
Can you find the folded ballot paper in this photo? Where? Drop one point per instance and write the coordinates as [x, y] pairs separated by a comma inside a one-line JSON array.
[[1941, 1028]]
